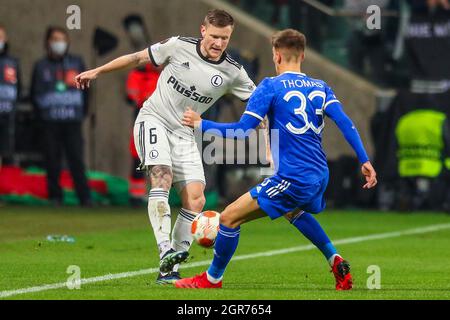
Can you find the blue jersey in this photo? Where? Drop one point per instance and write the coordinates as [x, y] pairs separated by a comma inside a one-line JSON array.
[[295, 105]]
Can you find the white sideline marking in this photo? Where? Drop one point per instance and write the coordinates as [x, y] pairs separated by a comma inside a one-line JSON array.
[[107, 277]]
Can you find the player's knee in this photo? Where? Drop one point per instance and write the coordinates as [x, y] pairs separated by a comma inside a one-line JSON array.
[[227, 218], [199, 203], [195, 203]]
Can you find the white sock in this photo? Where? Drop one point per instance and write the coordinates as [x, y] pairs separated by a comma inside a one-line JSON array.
[[212, 279], [331, 260], [159, 214], [181, 234]]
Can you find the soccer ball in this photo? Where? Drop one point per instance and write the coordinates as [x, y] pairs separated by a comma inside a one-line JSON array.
[[205, 227]]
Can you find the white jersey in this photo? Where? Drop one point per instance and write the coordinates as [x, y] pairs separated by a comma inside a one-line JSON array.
[[190, 80]]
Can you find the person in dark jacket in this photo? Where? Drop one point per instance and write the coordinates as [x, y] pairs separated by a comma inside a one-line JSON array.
[[9, 95], [61, 109]]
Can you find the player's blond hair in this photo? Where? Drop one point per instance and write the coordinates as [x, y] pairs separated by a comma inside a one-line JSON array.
[[290, 43]]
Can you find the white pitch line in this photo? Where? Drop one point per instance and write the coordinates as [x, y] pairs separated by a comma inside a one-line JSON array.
[[107, 277]]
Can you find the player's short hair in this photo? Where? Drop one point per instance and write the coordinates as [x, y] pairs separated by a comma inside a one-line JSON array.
[[218, 18], [291, 42]]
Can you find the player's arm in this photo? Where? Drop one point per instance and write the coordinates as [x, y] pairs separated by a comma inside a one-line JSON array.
[[239, 130], [257, 108], [126, 61], [157, 54], [335, 111]]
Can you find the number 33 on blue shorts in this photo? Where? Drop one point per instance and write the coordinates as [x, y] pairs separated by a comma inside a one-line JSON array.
[[277, 196]]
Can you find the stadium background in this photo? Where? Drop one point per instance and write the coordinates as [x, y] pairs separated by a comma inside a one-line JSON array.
[[111, 131], [367, 99]]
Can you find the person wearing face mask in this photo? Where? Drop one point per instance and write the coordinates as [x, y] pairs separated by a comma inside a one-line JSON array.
[[9, 94], [61, 108]]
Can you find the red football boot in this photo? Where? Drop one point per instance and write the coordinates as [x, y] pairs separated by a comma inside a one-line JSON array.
[[341, 271], [197, 282]]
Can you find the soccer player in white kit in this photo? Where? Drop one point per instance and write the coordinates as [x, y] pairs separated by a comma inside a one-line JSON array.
[[197, 73]]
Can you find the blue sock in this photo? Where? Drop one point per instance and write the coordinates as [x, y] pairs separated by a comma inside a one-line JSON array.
[[226, 243], [311, 229]]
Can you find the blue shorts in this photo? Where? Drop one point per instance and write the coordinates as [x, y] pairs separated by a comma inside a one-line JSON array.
[[277, 196]]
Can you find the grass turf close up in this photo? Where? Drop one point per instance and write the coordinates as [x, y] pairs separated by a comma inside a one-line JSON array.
[[120, 240]]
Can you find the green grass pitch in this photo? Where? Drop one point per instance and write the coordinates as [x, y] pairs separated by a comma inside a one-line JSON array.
[[414, 265]]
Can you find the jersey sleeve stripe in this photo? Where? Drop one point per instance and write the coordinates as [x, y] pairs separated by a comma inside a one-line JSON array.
[[189, 40], [257, 116], [233, 62], [151, 57], [330, 102]]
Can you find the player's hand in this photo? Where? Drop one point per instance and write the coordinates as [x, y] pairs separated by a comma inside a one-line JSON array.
[[84, 79], [369, 173], [191, 118]]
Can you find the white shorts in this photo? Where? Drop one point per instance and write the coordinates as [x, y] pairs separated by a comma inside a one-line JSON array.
[[156, 145]]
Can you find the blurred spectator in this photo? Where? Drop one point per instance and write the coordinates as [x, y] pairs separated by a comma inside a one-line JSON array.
[[61, 108], [290, 14], [428, 6], [309, 21], [141, 83], [281, 16], [367, 47], [427, 40], [423, 139], [9, 94], [422, 44]]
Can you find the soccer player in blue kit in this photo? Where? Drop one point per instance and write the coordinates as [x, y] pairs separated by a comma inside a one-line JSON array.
[[295, 105]]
